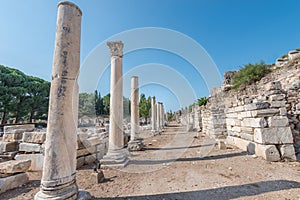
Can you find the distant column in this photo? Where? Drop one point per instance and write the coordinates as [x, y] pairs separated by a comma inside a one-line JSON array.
[[59, 169], [116, 156], [158, 116], [135, 143], [153, 115], [162, 116]]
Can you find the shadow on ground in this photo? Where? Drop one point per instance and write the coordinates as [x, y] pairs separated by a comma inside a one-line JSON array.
[[223, 193], [216, 157]]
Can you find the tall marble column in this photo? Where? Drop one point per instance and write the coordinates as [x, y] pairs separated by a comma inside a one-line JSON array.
[[116, 156], [135, 143], [153, 116], [59, 169], [162, 116], [158, 116]]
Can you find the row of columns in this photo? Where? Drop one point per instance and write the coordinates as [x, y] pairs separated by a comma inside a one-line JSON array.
[[157, 116], [59, 169]]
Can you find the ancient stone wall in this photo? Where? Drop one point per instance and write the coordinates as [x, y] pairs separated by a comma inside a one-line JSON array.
[[213, 115], [262, 118]]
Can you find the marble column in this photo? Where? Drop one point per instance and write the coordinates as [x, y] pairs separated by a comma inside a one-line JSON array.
[[153, 116], [135, 143], [116, 155], [59, 169], [158, 116], [162, 116]]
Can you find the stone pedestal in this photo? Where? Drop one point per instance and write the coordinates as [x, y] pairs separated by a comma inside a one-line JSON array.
[[116, 155], [135, 143], [153, 116], [59, 169]]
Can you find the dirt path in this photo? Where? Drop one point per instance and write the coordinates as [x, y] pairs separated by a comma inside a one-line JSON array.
[[174, 165]]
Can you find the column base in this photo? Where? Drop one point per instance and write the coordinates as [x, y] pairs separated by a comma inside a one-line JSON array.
[[135, 145], [60, 192], [115, 158]]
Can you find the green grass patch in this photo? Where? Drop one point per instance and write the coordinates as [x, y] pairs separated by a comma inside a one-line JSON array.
[[250, 73]]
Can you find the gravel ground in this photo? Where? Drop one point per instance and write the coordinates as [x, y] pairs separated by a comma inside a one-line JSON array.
[[175, 165]]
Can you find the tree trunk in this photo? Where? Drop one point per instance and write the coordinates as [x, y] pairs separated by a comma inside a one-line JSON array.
[[31, 116], [3, 120]]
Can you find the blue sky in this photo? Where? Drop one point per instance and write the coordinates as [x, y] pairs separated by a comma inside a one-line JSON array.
[[233, 33]]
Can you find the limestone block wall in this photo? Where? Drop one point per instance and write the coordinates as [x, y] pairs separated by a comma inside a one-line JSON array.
[[213, 116], [24, 142], [260, 125], [92, 145], [293, 113]]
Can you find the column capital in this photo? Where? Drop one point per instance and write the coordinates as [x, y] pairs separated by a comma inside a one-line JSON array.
[[116, 48]]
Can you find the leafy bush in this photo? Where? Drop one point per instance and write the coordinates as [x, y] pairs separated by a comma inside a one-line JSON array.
[[202, 101], [249, 74], [284, 56]]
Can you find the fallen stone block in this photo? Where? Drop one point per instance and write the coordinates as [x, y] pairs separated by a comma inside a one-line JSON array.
[[8, 146], [37, 161], [90, 159], [82, 152], [34, 137], [80, 162], [288, 152], [25, 128], [14, 166], [12, 182], [8, 155], [30, 147], [278, 121], [268, 152], [275, 135]]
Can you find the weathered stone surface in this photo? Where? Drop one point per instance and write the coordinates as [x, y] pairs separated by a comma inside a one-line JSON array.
[[8, 155], [288, 152], [278, 135], [30, 147], [258, 105], [135, 145], [264, 112], [14, 166], [24, 128], [268, 152], [13, 135], [277, 97], [12, 182], [282, 111], [34, 137], [37, 161], [97, 177], [90, 159], [80, 162], [82, 152], [92, 141], [254, 122], [274, 85], [247, 136], [277, 104], [278, 121], [8, 146], [84, 195]]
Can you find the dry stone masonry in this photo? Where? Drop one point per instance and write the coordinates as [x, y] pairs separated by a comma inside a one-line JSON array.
[[262, 119]]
